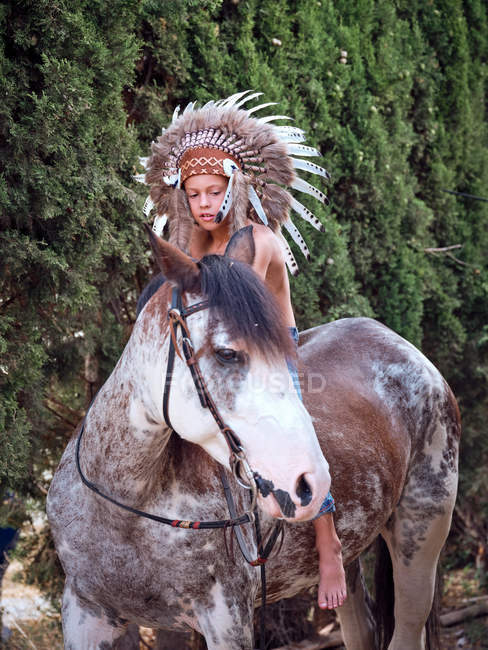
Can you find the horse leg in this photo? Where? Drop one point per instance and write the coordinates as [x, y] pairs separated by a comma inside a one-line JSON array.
[[227, 624], [355, 614], [86, 626], [414, 550]]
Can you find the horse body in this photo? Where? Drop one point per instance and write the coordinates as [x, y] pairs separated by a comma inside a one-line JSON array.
[[389, 427], [386, 421]]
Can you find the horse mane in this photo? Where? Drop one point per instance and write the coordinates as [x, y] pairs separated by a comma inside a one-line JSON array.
[[238, 297]]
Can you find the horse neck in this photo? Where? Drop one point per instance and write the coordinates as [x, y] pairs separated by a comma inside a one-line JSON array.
[[123, 447]]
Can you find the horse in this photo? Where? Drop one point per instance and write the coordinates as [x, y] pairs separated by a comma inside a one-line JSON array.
[[385, 417]]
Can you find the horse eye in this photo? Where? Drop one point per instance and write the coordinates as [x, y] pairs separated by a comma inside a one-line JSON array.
[[227, 355]]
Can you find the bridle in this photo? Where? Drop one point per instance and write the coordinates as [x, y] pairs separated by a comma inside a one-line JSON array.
[[177, 316]]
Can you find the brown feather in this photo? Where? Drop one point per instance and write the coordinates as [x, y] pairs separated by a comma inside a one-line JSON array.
[[238, 211], [180, 220]]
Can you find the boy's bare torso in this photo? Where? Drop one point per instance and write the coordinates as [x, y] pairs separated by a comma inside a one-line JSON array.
[[269, 262]]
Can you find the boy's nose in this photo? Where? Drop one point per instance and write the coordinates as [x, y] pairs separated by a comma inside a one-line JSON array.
[[203, 200]]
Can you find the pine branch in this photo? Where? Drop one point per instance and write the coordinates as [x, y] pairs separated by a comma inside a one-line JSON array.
[[60, 416], [443, 249]]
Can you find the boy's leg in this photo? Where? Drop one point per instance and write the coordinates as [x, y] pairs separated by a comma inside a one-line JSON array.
[[332, 583]]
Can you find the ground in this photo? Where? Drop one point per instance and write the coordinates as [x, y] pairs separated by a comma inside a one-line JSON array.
[[32, 623]]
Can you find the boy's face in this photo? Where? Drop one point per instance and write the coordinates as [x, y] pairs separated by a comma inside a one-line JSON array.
[[205, 194]]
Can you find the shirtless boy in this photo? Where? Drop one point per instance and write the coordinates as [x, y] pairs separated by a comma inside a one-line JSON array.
[[201, 184]]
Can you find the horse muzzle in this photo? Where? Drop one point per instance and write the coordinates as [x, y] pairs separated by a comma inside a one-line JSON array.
[[298, 504]]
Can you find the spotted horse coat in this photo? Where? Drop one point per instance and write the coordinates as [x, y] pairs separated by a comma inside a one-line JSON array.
[[385, 419]]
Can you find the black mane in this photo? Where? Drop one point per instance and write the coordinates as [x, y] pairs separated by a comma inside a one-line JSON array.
[[239, 298]]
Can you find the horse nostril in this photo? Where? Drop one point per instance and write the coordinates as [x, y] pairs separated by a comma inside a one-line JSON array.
[[304, 491]]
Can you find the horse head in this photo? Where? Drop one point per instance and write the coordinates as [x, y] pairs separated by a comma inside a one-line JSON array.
[[241, 344]]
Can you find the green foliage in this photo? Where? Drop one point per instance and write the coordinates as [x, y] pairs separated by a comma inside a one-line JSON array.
[[70, 232]]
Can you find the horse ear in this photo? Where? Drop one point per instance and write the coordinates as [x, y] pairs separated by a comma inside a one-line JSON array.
[[241, 246], [177, 267]]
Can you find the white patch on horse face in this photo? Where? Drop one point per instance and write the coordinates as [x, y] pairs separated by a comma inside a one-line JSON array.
[[278, 436], [263, 409]]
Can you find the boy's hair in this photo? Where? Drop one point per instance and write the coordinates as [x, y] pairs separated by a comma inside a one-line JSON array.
[[260, 159]]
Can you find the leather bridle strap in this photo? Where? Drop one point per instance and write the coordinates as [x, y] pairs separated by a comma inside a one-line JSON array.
[[176, 301], [177, 319], [175, 523], [264, 551]]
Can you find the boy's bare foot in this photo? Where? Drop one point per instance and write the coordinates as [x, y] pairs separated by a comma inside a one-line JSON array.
[[332, 590]]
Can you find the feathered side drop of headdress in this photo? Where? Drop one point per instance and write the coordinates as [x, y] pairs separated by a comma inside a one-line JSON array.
[[261, 160]]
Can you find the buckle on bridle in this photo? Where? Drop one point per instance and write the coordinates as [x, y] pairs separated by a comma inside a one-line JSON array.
[[244, 476]]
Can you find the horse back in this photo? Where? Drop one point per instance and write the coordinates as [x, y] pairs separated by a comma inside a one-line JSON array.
[[382, 413]]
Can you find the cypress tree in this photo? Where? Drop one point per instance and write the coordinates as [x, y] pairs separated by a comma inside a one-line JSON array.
[[69, 234]]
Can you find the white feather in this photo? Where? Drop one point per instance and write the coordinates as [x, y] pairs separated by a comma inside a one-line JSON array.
[[306, 214], [248, 99], [256, 204], [189, 107], [290, 260], [302, 150], [290, 134], [291, 137], [230, 101], [297, 238], [140, 178], [159, 223], [148, 206], [311, 167], [260, 107], [143, 161], [282, 128], [271, 118], [302, 186], [176, 114]]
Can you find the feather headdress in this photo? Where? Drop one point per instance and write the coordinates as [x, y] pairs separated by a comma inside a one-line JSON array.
[[261, 160]]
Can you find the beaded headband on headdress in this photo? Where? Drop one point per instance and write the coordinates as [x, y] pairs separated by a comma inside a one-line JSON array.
[[257, 156]]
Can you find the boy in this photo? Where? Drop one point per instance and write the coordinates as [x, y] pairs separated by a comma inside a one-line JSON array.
[[203, 173]]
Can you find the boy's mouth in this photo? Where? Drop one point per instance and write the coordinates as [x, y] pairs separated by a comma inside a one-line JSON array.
[[207, 217]]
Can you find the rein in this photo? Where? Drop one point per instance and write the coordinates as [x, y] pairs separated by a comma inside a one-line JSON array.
[[245, 477]]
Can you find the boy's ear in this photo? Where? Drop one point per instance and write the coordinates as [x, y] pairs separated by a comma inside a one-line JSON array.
[[176, 266], [241, 246]]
